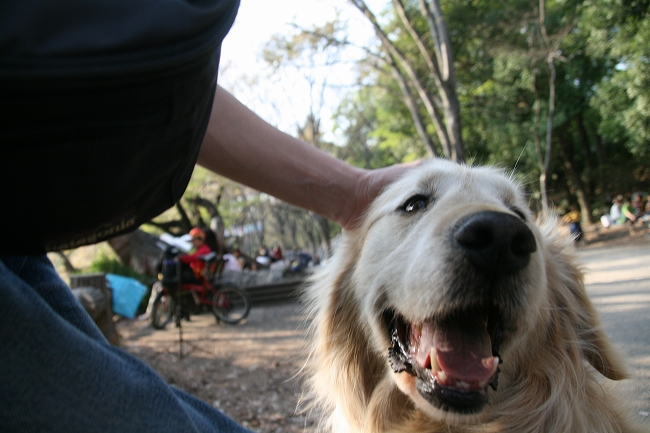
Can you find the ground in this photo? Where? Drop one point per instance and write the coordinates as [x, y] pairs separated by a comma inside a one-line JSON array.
[[252, 371], [249, 371]]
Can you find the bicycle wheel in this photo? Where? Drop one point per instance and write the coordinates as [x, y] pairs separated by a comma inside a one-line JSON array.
[[163, 310], [230, 304]]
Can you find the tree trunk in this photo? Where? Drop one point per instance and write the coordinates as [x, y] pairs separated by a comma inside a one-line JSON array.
[[446, 75], [139, 251], [66, 262], [216, 222], [186, 224], [539, 151], [544, 157], [566, 150], [441, 103], [420, 127], [590, 172]]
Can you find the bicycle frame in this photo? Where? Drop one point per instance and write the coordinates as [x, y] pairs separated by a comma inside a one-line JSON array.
[[201, 288], [204, 292], [228, 303]]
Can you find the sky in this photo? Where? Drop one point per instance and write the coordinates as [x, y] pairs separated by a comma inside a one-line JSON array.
[[282, 100]]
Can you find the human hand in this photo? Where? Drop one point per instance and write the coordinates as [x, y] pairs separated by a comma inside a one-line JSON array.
[[241, 146], [369, 185]]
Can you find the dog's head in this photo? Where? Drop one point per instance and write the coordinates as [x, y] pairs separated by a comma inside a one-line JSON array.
[[450, 273], [444, 285]]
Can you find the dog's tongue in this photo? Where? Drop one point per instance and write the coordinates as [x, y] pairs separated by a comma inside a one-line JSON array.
[[462, 348]]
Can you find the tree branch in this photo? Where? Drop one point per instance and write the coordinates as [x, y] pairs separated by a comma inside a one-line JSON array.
[[430, 102], [66, 262]]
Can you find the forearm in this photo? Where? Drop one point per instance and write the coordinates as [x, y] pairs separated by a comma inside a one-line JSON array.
[[241, 146]]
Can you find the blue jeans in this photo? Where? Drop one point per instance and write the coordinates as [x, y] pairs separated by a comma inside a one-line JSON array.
[[59, 374]]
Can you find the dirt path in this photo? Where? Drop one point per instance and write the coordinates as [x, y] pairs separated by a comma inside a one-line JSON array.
[[618, 282], [250, 371]]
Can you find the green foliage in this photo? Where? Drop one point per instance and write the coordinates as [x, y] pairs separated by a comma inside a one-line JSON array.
[[601, 123], [111, 265], [619, 31], [376, 137]]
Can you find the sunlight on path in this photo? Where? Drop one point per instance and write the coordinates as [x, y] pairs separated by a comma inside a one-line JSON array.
[[618, 282]]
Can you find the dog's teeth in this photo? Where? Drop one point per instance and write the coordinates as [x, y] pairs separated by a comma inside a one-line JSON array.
[[496, 365], [462, 385], [492, 363], [442, 376], [434, 360]]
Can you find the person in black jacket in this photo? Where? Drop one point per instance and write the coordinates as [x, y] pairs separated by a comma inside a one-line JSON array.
[[108, 106]]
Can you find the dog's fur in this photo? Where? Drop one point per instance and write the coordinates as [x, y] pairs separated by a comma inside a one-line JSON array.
[[407, 259]]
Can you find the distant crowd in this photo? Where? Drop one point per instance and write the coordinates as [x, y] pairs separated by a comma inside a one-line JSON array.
[[296, 260], [634, 211]]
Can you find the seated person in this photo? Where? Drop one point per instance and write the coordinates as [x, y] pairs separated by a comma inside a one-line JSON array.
[[646, 215], [627, 213], [276, 253], [615, 216], [234, 261], [200, 248], [263, 259], [615, 211]]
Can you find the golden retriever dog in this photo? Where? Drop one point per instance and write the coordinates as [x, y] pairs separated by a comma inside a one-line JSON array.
[[449, 310]]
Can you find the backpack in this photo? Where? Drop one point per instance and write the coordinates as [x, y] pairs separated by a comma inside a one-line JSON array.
[[105, 105]]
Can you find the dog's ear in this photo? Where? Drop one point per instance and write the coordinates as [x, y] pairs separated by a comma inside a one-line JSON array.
[[344, 368], [595, 345]]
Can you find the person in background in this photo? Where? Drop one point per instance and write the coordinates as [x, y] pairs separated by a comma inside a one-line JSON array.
[[627, 213], [615, 215], [276, 253], [573, 219], [263, 258], [234, 260], [199, 248], [646, 212], [112, 105]]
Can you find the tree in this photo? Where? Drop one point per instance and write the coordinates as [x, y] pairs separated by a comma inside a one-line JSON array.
[[620, 30], [533, 86], [139, 251], [378, 130], [555, 90], [431, 91], [551, 50], [527, 80]]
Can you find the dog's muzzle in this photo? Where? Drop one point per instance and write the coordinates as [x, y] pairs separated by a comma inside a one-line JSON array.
[[454, 356]]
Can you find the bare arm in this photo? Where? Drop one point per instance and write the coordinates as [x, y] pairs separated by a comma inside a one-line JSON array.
[[629, 214], [243, 147]]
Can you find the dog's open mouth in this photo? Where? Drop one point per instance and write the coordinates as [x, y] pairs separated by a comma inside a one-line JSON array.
[[454, 359]]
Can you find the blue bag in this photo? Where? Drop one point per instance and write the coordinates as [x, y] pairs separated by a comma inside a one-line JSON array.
[[127, 294]]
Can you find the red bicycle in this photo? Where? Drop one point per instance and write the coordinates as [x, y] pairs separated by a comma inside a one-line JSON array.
[[179, 293]]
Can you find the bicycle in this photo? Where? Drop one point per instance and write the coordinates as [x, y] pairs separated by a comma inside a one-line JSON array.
[[227, 302]]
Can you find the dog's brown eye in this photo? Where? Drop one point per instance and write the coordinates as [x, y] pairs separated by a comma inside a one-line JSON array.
[[415, 203]]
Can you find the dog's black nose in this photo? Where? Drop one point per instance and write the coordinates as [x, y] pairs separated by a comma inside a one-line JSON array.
[[497, 243]]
